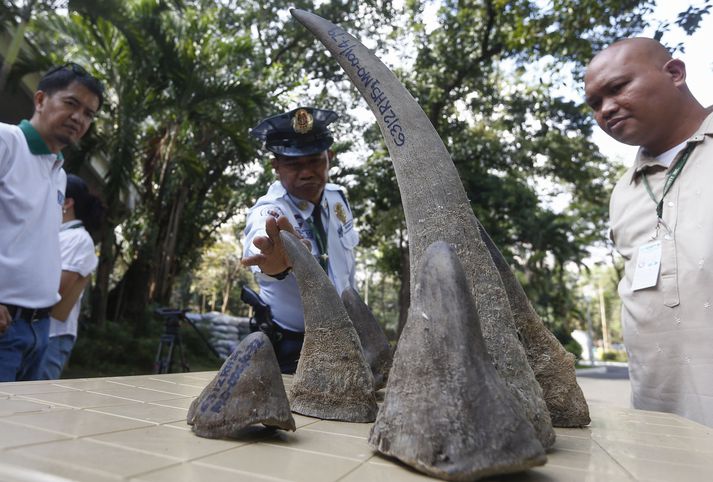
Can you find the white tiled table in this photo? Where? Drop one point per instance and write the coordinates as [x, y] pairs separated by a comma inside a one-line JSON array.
[[133, 428]]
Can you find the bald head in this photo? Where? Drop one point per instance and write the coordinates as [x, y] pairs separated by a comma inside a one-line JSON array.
[[642, 49], [639, 95]]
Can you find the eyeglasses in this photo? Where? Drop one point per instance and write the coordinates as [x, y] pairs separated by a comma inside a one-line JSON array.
[[75, 68]]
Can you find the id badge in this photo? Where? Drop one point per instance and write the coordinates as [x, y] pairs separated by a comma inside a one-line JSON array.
[[648, 264]]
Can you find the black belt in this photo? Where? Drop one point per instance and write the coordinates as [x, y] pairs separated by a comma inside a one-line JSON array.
[[275, 332], [289, 334], [27, 314]]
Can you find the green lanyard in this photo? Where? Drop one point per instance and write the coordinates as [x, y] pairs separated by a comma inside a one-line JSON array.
[[670, 179], [317, 227]]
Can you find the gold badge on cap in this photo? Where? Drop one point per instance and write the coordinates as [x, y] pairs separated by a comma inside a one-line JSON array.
[[340, 212], [302, 122]]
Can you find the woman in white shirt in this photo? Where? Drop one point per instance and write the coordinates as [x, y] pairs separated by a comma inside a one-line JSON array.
[[81, 211]]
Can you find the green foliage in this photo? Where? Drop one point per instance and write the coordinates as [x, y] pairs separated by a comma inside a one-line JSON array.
[[182, 94], [574, 348], [186, 79], [688, 20], [598, 289], [185, 82], [112, 350], [218, 279], [614, 355], [377, 205], [488, 80]]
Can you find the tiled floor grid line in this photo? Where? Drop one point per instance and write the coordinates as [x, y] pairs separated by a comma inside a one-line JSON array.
[[134, 429]]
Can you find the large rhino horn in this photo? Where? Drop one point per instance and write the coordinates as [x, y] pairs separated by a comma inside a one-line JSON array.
[[332, 381], [436, 207], [552, 364], [446, 411]]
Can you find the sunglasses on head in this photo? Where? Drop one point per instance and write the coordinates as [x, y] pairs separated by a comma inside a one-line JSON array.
[[71, 66]]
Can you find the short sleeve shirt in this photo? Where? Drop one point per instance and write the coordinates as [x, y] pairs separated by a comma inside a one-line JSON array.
[[78, 256], [283, 295], [668, 328], [32, 184]]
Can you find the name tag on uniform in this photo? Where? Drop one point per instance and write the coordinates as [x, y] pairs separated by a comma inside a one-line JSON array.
[[648, 264]]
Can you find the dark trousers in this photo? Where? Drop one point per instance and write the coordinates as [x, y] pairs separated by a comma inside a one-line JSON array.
[[288, 350]]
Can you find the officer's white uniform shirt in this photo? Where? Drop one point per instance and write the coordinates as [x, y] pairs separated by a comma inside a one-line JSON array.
[[283, 295], [32, 184], [78, 256]]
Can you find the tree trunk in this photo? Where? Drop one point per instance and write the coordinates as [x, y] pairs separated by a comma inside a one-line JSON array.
[[226, 295], [130, 298], [100, 292], [165, 271]]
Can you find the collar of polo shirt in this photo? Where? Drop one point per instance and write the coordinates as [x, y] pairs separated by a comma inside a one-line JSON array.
[[35, 142]]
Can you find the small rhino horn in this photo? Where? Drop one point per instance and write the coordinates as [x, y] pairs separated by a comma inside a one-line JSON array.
[[332, 381], [247, 390]]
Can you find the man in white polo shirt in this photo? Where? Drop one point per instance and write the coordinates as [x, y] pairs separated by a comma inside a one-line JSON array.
[[32, 184]]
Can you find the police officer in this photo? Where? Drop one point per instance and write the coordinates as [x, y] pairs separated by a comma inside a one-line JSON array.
[[304, 203]]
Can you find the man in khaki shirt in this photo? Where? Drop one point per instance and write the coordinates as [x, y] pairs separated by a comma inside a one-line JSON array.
[[661, 214]]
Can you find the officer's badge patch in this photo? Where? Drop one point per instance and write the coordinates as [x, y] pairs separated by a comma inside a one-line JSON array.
[[306, 232], [303, 205], [272, 211], [60, 197], [341, 212], [302, 122]]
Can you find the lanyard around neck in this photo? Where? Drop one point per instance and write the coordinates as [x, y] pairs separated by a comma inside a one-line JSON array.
[[670, 179]]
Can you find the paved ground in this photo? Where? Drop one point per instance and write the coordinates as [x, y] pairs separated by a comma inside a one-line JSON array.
[[606, 384]]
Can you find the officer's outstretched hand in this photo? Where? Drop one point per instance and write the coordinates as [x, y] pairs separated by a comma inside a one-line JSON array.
[[273, 258]]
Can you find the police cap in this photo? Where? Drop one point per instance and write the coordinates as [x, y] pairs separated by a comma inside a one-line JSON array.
[[299, 132]]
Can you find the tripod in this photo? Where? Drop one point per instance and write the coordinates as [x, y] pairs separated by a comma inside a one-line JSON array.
[[170, 340]]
